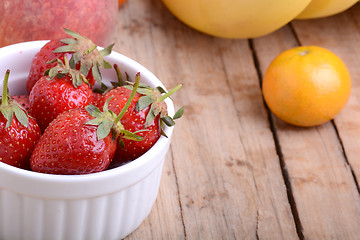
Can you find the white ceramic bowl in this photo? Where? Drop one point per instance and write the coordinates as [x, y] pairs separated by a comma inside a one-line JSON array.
[[105, 205]]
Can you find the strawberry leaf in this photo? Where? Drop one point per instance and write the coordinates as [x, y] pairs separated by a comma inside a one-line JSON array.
[[65, 48], [104, 129], [106, 104], [72, 33], [96, 73], [103, 88], [160, 89], [21, 116], [163, 133], [106, 65], [86, 53], [150, 117], [95, 121], [85, 68], [107, 51], [168, 121], [155, 98], [125, 134], [75, 59], [68, 41], [93, 111], [8, 115], [179, 113], [142, 89], [61, 70], [144, 102]]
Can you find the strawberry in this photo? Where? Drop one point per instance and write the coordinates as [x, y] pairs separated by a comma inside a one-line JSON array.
[[23, 100], [97, 97], [70, 146], [63, 89], [41, 62], [79, 141], [132, 148], [83, 53], [18, 131], [144, 117]]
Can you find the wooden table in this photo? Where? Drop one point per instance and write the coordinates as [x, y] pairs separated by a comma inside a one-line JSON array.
[[234, 171]]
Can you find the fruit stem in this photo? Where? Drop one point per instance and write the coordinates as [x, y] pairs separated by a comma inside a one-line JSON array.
[[118, 74], [169, 93], [66, 60], [4, 100], [304, 52], [90, 49], [128, 102]]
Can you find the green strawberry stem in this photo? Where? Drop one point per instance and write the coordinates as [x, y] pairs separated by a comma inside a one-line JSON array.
[[169, 93], [90, 49], [10, 107], [66, 60], [132, 95], [118, 74], [4, 100]]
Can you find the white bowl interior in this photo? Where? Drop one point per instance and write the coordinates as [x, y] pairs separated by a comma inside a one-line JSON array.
[[18, 59]]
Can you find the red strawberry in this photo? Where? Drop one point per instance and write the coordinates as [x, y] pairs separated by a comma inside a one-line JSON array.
[[23, 100], [142, 117], [83, 53], [18, 131], [132, 121], [66, 90], [97, 98], [78, 141], [70, 146], [41, 62]]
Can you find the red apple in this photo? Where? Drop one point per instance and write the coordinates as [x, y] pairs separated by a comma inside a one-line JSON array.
[[24, 20]]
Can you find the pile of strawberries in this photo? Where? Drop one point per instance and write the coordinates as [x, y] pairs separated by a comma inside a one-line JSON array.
[[64, 126]]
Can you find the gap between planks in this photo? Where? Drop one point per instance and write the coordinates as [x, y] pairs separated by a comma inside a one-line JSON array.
[[284, 171], [285, 175], [178, 194], [297, 39], [345, 157]]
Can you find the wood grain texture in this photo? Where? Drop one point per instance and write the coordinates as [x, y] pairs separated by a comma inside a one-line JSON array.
[[346, 28], [324, 189], [234, 171]]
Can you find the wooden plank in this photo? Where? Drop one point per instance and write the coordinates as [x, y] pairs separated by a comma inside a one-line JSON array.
[[326, 196], [226, 189], [256, 137], [227, 171], [347, 123], [346, 27]]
